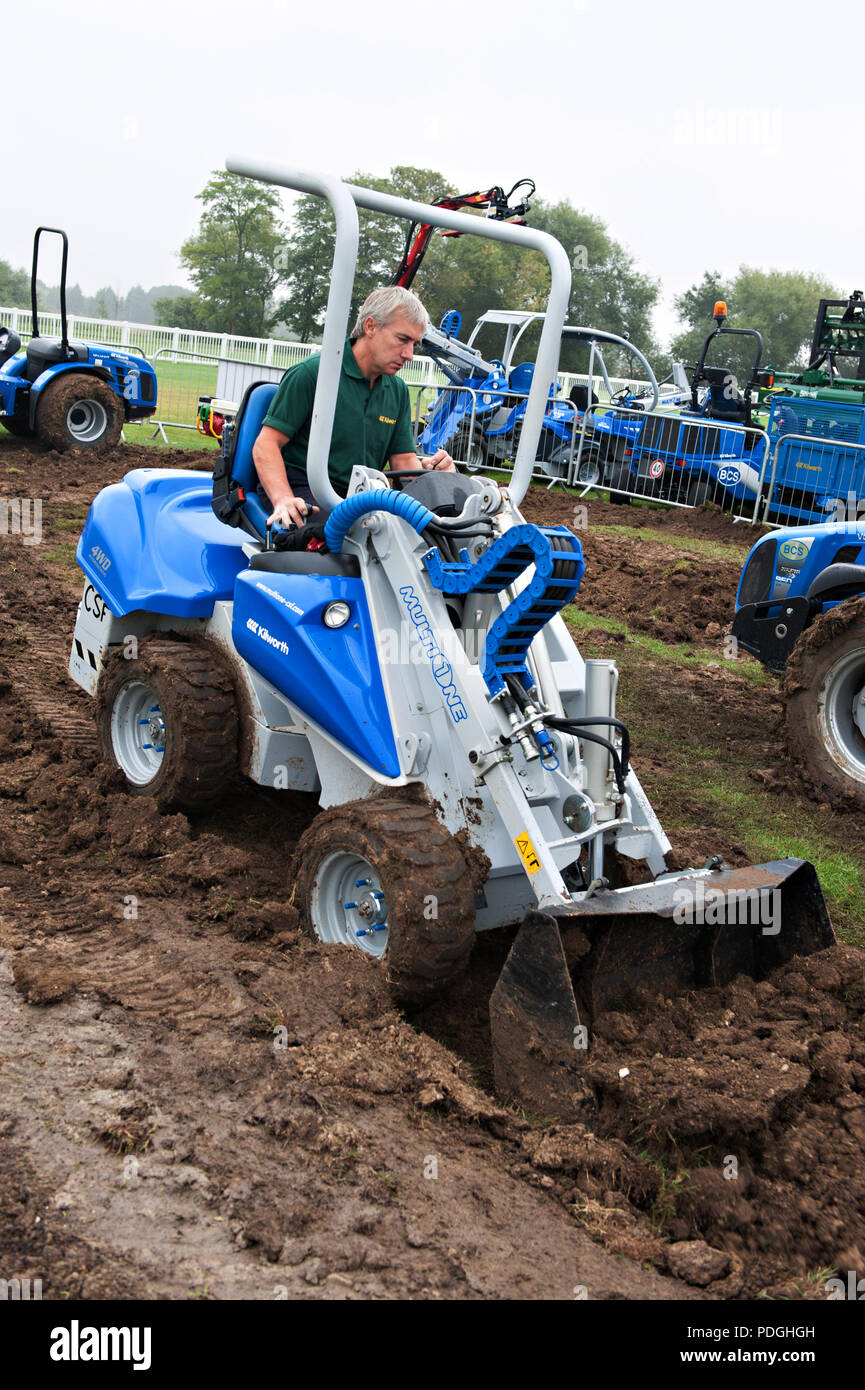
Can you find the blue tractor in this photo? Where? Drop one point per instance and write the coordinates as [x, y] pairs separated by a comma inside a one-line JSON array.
[[70, 394], [481, 423], [800, 468], [701, 452], [800, 608]]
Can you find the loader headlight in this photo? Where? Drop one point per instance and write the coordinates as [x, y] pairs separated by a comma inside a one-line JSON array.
[[336, 614]]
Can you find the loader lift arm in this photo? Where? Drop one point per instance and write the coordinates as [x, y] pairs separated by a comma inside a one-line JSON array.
[[494, 199]]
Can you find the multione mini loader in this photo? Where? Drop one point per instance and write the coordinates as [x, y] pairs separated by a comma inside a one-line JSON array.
[[419, 678]]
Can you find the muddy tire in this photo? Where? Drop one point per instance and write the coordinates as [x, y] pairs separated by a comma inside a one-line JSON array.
[[394, 861], [824, 686], [168, 720], [79, 411]]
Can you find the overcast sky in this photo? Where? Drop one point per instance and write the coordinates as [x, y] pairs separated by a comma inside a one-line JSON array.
[[703, 136]]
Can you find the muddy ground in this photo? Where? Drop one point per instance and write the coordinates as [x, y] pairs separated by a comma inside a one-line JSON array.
[[196, 1101]]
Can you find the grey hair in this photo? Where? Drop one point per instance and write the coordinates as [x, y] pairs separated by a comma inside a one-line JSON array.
[[384, 304]]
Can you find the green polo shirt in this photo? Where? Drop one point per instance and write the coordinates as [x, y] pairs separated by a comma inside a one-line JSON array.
[[369, 425]]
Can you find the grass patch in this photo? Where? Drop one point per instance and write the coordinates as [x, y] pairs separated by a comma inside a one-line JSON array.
[[63, 556], [145, 432], [794, 832], [698, 759], [716, 550], [679, 654]]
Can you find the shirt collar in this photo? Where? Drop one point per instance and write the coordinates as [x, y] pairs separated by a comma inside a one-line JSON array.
[[349, 365]]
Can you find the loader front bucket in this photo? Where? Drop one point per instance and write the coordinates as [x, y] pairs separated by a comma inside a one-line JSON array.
[[682, 933]]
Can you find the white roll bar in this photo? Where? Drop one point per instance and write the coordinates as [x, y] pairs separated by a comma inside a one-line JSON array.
[[345, 199]]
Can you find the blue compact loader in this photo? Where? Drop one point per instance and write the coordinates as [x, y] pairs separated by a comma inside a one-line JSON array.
[[406, 660], [70, 394]]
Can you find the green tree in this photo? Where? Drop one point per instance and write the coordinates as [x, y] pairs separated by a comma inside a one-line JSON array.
[[137, 306], [783, 306], [308, 253], [181, 311], [469, 273], [233, 259], [607, 292], [108, 304], [780, 305], [14, 287]]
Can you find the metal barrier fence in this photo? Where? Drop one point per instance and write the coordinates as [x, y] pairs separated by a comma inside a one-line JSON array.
[[813, 480], [181, 378], [671, 458], [478, 429]]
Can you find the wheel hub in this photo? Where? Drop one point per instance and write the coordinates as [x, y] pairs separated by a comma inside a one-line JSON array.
[[138, 733], [348, 904], [841, 704], [86, 421]]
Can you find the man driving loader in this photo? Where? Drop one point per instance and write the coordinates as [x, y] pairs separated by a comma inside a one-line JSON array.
[[372, 425]]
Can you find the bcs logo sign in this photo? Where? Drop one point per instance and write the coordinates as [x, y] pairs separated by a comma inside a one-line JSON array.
[[793, 550], [729, 476]]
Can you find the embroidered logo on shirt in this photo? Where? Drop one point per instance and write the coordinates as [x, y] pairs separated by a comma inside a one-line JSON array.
[[385, 420]]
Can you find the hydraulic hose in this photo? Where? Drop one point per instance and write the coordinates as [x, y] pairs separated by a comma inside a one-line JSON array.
[[577, 725], [343, 516]]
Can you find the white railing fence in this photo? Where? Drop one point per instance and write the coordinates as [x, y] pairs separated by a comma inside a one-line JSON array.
[[185, 360]]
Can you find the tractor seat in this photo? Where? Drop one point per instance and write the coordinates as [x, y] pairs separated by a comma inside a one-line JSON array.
[[520, 378], [47, 352], [235, 480], [579, 396], [725, 403]]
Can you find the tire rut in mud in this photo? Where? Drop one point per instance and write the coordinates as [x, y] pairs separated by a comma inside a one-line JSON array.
[[67, 712]]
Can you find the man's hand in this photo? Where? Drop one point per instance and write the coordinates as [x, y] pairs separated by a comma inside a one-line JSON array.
[[440, 460], [291, 511]]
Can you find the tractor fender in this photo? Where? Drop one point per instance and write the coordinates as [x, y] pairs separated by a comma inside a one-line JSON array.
[[152, 543], [51, 373]]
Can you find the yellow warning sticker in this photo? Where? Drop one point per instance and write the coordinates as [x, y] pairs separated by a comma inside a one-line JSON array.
[[527, 853]]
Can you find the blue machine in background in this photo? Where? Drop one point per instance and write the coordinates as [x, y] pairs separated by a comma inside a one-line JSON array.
[[479, 416], [66, 393], [800, 608], [802, 465]]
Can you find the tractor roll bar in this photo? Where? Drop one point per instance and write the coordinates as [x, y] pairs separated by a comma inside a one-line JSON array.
[[64, 340], [338, 305], [345, 199]]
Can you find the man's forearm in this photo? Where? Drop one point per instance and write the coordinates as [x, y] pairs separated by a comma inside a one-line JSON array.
[[270, 467]]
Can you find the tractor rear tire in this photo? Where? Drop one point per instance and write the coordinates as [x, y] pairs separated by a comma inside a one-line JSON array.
[[824, 686], [168, 720], [698, 491], [398, 869], [79, 411]]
